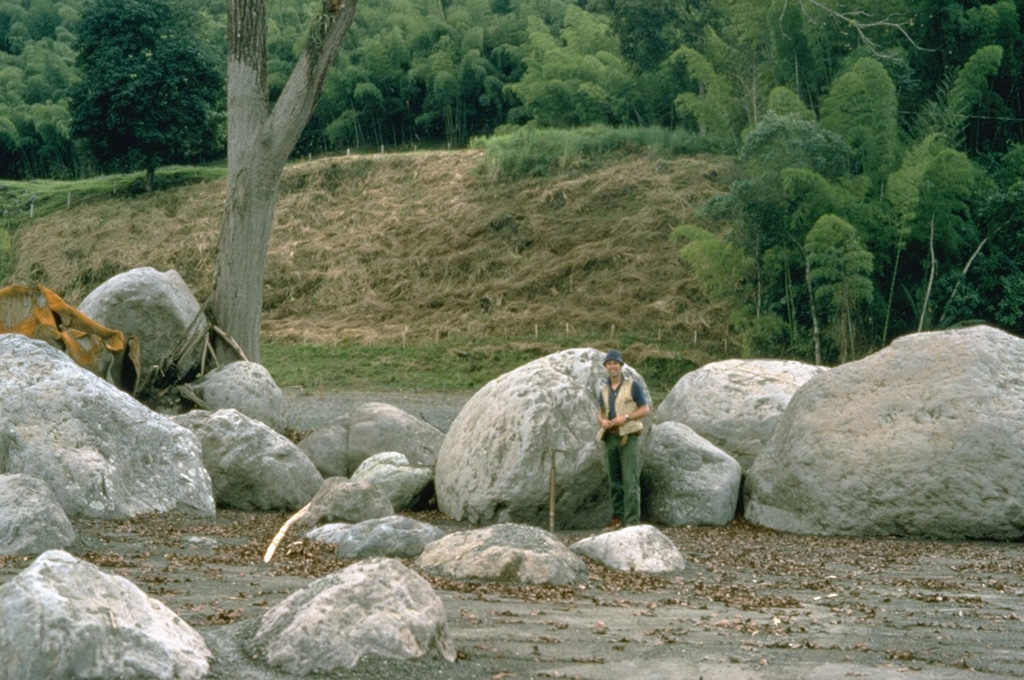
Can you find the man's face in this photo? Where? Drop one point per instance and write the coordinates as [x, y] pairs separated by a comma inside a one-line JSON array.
[[614, 369]]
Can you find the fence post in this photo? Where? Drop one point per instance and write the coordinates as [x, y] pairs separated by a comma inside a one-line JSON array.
[[551, 491]]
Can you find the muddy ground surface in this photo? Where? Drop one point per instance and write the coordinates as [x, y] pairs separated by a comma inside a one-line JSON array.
[[751, 603]]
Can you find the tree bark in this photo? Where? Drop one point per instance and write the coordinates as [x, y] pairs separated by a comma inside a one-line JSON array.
[[260, 140]]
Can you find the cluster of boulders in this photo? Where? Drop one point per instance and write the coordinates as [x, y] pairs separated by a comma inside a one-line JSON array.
[[923, 438], [72, 444]]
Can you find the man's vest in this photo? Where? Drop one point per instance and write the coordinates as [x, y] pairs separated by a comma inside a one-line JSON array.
[[624, 405]]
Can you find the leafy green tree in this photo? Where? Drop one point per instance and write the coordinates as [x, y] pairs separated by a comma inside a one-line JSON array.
[[948, 114], [17, 37], [47, 70], [953, 31], [800, 49], [740, 48], [945, 197], [457, 80], [413, 74], [791, 141], [576, 77], [648, 30], [934, 196], [10, 14], [861, 107], [808, 197], [52, 127], [368, 99], [998, 287], [719, 265], [790, 165], [715, 108], [43, 18], [10, 141], [36, 71], [436, 74], [787, 261], [723, 271], [839, 269], [970, 88], [150, 84], [783, 101]]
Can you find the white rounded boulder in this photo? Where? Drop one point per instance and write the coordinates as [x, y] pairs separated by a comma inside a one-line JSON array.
[[924, 438]]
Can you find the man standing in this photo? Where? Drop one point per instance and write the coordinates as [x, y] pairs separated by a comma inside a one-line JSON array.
[[623, 405]]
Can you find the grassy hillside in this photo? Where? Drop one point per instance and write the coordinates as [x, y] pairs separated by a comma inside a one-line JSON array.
[[384, 267]]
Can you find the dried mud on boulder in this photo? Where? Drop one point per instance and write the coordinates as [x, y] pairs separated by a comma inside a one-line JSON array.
[[751, 603]]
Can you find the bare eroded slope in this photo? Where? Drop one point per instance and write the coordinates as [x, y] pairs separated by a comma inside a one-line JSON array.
[[418, 246]]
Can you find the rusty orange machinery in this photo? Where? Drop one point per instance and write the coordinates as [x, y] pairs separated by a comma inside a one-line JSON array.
[[39, 313]]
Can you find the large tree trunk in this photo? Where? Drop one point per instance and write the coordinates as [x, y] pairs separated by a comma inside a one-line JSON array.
[[259, 143]]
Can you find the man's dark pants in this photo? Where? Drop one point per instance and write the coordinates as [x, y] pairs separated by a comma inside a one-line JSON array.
[[624, 475]]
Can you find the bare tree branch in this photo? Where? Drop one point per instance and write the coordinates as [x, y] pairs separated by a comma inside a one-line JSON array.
[[861, 23]]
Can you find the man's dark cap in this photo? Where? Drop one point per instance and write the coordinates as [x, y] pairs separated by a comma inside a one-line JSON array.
[[614, 355]]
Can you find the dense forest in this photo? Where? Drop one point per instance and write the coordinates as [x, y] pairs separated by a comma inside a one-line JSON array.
[[439, 72], [880, 170]]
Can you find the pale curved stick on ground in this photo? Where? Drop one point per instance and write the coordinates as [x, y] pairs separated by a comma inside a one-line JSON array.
[[282, 531]]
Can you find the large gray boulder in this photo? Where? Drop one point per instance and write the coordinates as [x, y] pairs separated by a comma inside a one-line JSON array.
[[735, 404], [31, 520], [251, 466], [507, 553], [246, 387], [102, 453], [375, 608], [393, 536], [339, 447], [687, 480], [406, 486], [924, 438], [641, 548], [156, 307], [495, 463], [343, 500], [64, 618]]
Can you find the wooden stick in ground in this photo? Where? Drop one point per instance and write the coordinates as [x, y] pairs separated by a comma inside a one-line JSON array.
[[551, 496], [282, 531]]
